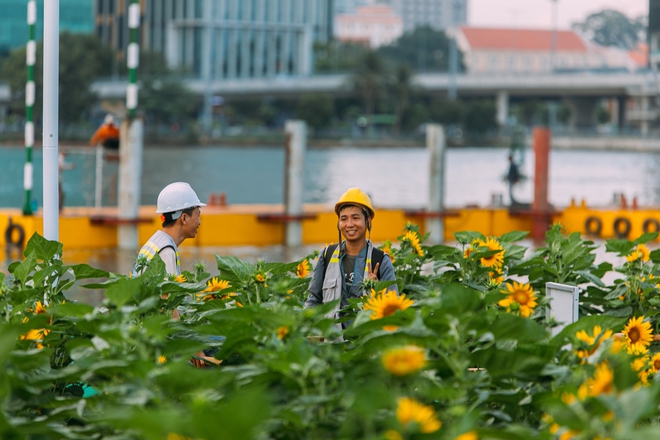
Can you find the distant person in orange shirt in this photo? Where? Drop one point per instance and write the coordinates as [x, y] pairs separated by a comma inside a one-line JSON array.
[[107, 134]]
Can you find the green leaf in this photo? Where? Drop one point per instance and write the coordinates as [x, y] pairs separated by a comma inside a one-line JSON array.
[[646, 237], [43, 249], [71, 309], [458, 299], [508, 326], [591, 277], [123, 291], [622, 247], [655, 256], [22, 271], [83, 271], [234, 270], [466, 237], [513, 236]]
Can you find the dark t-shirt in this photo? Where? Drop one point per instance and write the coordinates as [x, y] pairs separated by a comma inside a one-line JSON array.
[[348, 263]]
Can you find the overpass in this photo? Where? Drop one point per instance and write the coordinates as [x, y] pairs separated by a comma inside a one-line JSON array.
[[582, 90]]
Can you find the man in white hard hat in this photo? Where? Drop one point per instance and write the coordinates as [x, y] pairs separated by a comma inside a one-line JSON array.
[[179, 209]]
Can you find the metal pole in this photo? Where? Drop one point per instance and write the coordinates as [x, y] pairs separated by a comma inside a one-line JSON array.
[[50, 137], [30, 59], [540, 207], [296, 144], [130, 144], [133, 58], [435, 144], [207, 67], [453, 52], [98, 183]]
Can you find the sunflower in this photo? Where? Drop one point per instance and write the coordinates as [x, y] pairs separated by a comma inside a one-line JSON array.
[[386, 303], [387, 248], [521, 296], [260, 278], [215, 285], [493, 245], [495, 278], [39, 308], [412, 238], [181, 279], [404, 360], [303, 269], [471, 435], [391, 434], [633, 256], [601, 383], [567, 398], [282, 332], [36, 335], [637, 335], [644, 252], [162, 359], [410, 410], [640, 363], [655, 363], [593, 341]]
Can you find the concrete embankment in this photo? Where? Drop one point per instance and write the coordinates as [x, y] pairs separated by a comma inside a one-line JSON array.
[[609, 143]]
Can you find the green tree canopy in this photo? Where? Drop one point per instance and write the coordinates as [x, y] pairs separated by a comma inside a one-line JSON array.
[[612, 28], [83, 58], [423, 49], [317, 109]]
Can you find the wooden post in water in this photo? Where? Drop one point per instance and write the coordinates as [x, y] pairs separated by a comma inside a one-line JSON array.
[[540, 206], [130, 173], [435, 144], [296, 144]]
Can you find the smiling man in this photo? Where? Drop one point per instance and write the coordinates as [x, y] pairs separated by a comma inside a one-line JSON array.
[[179, 209], [342, 268]]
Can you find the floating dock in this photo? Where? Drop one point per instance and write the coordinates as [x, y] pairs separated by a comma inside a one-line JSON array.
[[262, 225]]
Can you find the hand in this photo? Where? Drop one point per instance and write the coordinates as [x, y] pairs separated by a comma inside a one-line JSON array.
[[372, 275], [198, 363]]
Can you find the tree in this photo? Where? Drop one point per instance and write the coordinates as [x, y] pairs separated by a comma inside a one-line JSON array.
[[83, 58], [370, 79], [337, 56], [317, 109], [401, 88], [165, 101], [612, 28], [424, 48], [480, 116]]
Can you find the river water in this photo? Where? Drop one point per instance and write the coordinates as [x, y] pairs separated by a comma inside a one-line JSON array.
[[394, 177]]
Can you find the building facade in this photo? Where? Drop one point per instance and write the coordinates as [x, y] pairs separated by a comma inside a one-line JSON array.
[[438, 14], [521, 51], [374, 26], [76, 16], [220, 39]]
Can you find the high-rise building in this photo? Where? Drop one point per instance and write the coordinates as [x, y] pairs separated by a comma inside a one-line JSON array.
[[654, 34], [438, 14], [224, 38], [76, 16]]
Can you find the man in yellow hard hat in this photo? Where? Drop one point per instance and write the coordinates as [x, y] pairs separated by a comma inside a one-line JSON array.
[[342, 268]]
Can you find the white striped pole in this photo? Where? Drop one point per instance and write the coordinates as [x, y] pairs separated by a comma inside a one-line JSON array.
[[50, 138], [133, 58], [30, 59]]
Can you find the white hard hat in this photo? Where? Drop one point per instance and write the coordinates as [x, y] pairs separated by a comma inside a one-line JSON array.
[[109, 119], [177, 196]]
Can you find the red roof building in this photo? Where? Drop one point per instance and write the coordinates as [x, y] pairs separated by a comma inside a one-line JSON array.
[[375, 25], [489, 50]]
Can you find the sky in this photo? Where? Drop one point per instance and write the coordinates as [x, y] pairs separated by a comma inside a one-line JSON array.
[[538, 13]]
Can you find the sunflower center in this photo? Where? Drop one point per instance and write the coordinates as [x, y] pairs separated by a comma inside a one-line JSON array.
[[390, 309], [521, 298], [634, 335], [656, 364]]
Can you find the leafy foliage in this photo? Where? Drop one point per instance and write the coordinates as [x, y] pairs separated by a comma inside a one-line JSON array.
[[122, 369]]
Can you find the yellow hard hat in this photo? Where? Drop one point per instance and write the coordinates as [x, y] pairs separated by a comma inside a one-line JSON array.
[[355, 196]]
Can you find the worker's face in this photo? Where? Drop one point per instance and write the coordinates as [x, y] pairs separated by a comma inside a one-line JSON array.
[[353, 224], [191, 222]]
